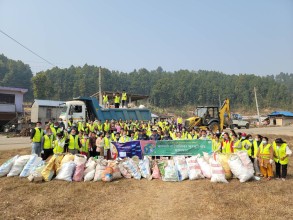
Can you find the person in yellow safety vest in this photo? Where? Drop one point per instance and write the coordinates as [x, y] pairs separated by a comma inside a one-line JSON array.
[[69, 123], [265, 155], [91, 126], [107, 152], [179, 123], [178, 136], [55, 129], [73, 142], [124, 138], [236, 143], [204, 135], [227, 144], [255, 146], [281, 157], [105, 100], [115, 136], [85, 142], [47, 144], [106, 126], [80, 124], [132, 136], [192, 135], [124, 98], [216, 144], [116, 100], [99, 126], [59, 144], [184, 134], [36, 137], [247, 145]]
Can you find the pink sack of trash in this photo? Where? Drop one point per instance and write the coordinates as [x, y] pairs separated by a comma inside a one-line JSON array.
[[156, 171], [80, 161]]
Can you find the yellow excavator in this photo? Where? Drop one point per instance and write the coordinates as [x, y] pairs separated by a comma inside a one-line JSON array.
[[210, 117]]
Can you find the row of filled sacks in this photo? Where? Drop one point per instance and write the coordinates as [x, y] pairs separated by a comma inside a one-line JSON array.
[[217, 167]]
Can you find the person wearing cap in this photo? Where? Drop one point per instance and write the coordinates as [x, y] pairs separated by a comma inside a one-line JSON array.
[[155, 136], [73, 142], [265, 155], [36, 137], [47, 144], [281, 157], [59, 144]]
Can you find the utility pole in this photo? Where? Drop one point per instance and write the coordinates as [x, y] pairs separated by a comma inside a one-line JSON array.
[[100, 86], [256, 106], [220, 104]]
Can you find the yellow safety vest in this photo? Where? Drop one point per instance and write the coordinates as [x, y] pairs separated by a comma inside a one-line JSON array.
[[124, 139], [54, 131], [264, 152], [106, 127], [58, 149], [124, 96], [117, 99], [255, 148], [247, 142], [85, 145], [107, 143], [280, 153], [105, 98], [38, 135], [179, 120], [237, 144], [192, 138], [48, 141], [92, 128], [100, 127], [227, 147], [80, 126], [73, 142], [216, 145]]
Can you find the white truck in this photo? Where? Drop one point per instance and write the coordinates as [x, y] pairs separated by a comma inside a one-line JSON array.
[[238, 122]]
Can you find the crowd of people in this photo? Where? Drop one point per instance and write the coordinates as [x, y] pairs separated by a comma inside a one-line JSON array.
[[93, 138]]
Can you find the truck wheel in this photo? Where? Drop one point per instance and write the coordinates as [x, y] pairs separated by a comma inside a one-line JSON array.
[[214, 126], [247, 126], [238, 127]]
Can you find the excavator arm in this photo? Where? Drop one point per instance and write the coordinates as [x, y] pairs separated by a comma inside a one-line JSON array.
[[224, 109]]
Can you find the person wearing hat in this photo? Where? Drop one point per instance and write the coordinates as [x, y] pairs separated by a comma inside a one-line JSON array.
[[265, 155], [36, 137], [281, 157], [47, 144], [59, 144]]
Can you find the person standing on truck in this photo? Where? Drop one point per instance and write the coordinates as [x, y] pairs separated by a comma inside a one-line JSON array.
[[36, 137], [116, 100], [124, 99], [105, 100]]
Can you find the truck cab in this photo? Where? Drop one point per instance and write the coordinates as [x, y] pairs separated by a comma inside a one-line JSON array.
[[74, 110]]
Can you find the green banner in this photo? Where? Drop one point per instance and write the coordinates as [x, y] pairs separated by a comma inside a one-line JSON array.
[[178, 147]]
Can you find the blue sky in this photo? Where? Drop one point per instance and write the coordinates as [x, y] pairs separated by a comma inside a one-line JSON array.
[[244, 36]]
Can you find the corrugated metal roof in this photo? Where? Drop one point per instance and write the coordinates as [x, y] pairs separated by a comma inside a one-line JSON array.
[[49, 103], [13, 89], [281, 113]]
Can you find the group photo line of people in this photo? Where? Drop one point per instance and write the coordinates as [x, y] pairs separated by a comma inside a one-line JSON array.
[[93, 138]]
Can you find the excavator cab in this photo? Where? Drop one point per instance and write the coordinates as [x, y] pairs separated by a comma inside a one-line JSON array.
[[209, 117]]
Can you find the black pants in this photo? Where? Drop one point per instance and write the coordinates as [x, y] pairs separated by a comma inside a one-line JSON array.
[[123, 102], [117, 105], [251, 158], [280, 167], [47, 153]]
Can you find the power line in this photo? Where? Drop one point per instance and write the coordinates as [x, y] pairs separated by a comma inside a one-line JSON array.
[[26, 48]]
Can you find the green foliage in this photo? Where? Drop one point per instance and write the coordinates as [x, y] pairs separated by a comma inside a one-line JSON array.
[[168, 89], [16, 74]]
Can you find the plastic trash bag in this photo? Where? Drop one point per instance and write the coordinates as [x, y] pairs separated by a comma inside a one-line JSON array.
[[181, 166], [6, 167], [66, 172], [194, 169], [18, 165]]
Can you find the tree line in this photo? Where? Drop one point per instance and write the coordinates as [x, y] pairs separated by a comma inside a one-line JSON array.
[[166, 89]]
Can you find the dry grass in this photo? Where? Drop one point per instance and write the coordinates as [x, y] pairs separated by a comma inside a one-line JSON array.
[[133, 199]]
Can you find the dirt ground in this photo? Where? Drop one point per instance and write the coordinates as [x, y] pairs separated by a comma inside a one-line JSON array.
[[143, 199]]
